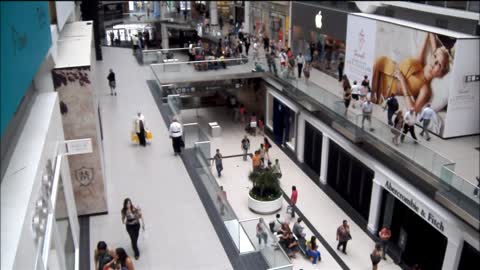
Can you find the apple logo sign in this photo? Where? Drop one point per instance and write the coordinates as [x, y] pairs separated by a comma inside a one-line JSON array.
[[318, 20]]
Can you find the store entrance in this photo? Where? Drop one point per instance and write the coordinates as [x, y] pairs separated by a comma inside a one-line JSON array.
[[281, 122], [414, 240], [312, 153]]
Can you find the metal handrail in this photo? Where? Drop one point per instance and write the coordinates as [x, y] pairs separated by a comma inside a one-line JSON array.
[[171, 49], [201, 61]]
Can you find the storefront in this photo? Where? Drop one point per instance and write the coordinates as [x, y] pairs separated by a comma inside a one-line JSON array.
[[423, 232], [319, 33], [411, 235], [271, 18], [281, 118]]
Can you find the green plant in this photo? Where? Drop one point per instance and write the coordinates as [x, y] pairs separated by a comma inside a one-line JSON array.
[[266, 186]]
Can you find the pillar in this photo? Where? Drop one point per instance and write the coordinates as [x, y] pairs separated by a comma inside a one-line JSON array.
[[246, 28], [156, 8], [375, 207], [213, 13], [324, 165], [300, 138], [163, 27], [452, 254]]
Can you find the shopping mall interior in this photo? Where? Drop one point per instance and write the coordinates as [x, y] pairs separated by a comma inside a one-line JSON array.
[[247, 135]]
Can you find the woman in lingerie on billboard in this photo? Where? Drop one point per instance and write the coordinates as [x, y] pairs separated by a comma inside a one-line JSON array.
[[411, 78]]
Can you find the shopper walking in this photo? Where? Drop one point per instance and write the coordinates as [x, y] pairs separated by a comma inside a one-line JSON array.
[[140, 129], [247, 44], [134, 44], [256, 161], [391, 106], [347, 92], [356, 91], [300, 61], [217, 159], [306, 71], [112, 83], [222, 200], [425, 117], [367, 109], [276, 169], [267, 145], [293, 200], [397, 127], [385, 235], [376, 256], [103, 255], [176, 133], [340, 67], [261, 232], [312, 250], [131, 217], [255, 51], [122, 260], [343, 236], [245, 146], [283, 60], [409, 125], [112, 38]]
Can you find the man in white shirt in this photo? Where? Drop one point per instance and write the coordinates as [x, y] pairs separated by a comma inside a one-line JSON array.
[[255, 51], [300, 61], [426, 116], [356, 91], [367, 109], [134, 43], [176, 133], [410, 118]]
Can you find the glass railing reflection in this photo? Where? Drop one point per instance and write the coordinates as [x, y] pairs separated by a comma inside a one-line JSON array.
[[412, 149]]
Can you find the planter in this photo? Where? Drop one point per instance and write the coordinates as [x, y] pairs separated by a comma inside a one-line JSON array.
[[264, 207]]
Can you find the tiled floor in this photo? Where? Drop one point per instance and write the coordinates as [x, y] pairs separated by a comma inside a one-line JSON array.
[[152, 177], [322, 212]]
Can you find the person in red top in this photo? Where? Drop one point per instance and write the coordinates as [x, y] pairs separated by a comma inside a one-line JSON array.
[[385, 235], [293, 199]]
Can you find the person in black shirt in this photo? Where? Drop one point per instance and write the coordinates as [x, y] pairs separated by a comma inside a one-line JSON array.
[[391, 107], [112, 83]]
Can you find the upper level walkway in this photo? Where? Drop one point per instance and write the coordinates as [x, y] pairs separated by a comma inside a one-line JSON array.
[[435, 173]]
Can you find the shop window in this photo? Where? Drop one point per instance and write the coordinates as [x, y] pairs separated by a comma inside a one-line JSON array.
[[350, 178], [457, 4], [436, 3], [474, 6], [312, 153], [470, 256]]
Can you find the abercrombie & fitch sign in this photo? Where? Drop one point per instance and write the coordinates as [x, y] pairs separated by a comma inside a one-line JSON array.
[[415, 206]]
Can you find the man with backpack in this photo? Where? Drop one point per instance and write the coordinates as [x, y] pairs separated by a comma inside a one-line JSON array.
[[103, 255], [391, 107]]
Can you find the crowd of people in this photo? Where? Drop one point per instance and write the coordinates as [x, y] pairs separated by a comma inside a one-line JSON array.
[[402, 124]]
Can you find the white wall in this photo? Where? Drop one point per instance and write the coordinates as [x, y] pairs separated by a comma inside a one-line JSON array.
[[21, 184], [64, 10]]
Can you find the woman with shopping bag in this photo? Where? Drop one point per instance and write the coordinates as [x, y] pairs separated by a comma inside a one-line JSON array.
[[140, 129]]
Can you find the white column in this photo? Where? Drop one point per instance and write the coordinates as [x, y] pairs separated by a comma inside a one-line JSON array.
[[452, 254], [300, 138], [163, 9], [246, 19], [213, 13], [324, 164], [375, 207], [163, 28], [290, 24]]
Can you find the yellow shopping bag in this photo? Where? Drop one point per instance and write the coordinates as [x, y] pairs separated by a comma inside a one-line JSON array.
[[134, 137], [148, 134]]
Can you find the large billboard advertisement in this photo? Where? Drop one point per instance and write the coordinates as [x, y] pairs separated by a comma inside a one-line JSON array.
[[419, 68]]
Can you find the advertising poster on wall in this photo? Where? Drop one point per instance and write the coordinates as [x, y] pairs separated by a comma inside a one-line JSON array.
[[464, 96], [415, 66], [418, 68], [79, 119], [360, 52]]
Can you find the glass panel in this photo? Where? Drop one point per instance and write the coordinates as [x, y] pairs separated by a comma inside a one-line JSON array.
[[53, 261], [64, 227], [474, 6], [436, 3], [457, 4]]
